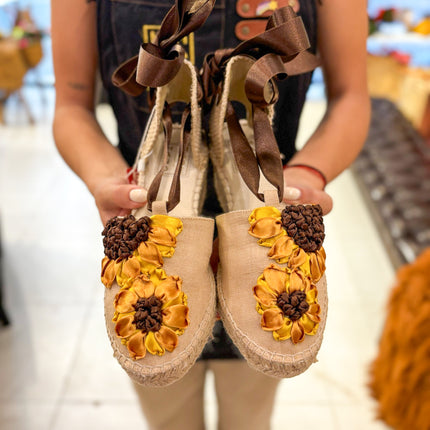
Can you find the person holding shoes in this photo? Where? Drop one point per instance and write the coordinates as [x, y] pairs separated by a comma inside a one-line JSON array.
[[92, 37]]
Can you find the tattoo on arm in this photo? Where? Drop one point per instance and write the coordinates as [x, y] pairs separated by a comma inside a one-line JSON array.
[[78, 86]]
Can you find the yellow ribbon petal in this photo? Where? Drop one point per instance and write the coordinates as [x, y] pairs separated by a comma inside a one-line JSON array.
[[264, 212], [265, 228], [150, 253], [272, 319], [297, 332], [143, 286], [176, 316], [161, 236], [174, 225], [108, 272], [168, 289], [311, 293], [282, 249], [167, 338], [276, 278], [284, 332], [260, 308], [269, 242], [298, 258], [317, 264], [136, 346], [124, 327], [157, 275], [131, 267], [263, 283], [298, 282], [152, 344], [314, 312], [263, 296], [309, 326], [182, 299], [166, 251], [124, 301]]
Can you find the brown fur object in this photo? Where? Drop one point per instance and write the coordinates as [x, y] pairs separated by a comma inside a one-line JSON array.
[[400, 375]]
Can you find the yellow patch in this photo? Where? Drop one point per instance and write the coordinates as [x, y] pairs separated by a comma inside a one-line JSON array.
[[149, 33]]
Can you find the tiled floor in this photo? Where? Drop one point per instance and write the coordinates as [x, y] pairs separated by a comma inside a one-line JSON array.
[[56, 366]]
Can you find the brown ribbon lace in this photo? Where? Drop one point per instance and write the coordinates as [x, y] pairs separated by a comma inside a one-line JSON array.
[[158, 63], [175, 187], [278, 52]]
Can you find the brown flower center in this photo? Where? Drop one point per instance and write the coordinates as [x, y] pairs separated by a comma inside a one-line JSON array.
[[148, 316], [293, 305], [305, 225], [123, 235]]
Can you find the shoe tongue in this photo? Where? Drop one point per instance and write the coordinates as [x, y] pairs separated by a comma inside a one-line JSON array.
[[180, 88]]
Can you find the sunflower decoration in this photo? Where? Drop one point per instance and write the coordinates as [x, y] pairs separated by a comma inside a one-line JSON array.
[[151, 314], [134, 246], [287, 302], [294, 236]]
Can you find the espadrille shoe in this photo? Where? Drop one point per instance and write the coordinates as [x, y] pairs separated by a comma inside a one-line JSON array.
[[271, 285], [160, 291]]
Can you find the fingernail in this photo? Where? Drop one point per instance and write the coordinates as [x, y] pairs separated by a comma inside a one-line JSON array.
[[291, 193], [138, 195]]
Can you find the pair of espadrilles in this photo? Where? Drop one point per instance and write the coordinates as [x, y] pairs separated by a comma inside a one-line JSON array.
[[161, 296]]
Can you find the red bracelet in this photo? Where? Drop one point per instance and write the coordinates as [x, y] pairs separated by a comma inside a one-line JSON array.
[[312, 169]]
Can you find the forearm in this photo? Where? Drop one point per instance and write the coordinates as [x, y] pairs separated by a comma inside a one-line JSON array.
[[340, 136], [84, 147], [342, 48], [78, 136]]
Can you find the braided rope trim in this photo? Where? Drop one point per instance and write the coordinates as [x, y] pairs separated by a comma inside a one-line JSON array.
[[261, 359], [168, 373]]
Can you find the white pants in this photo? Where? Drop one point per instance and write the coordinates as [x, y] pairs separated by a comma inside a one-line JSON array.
[[245, 398]]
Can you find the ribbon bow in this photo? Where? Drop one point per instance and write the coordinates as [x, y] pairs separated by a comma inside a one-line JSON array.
[[158, 63], [279, 52]]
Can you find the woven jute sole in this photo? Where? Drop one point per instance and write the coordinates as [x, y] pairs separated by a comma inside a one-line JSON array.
[[242, 262], [191, 263]]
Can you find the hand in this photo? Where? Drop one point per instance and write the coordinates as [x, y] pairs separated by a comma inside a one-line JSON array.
[[302, 186], [114, 196]]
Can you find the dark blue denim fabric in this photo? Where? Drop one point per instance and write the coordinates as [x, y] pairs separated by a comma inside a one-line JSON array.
[[120, 25]]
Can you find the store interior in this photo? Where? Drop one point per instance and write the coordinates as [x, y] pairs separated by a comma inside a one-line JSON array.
[[56, 366]]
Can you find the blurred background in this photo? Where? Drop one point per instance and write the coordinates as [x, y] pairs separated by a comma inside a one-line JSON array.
[[56, 366]]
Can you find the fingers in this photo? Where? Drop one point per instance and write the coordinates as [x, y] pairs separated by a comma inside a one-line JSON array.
[[125, 196], [138, 195], [118, 199], [307, 195]]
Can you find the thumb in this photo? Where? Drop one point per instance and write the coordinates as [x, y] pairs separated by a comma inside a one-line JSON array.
[[308, 195], [127, 196]]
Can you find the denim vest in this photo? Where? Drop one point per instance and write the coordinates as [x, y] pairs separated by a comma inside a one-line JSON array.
[[123, 24]]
